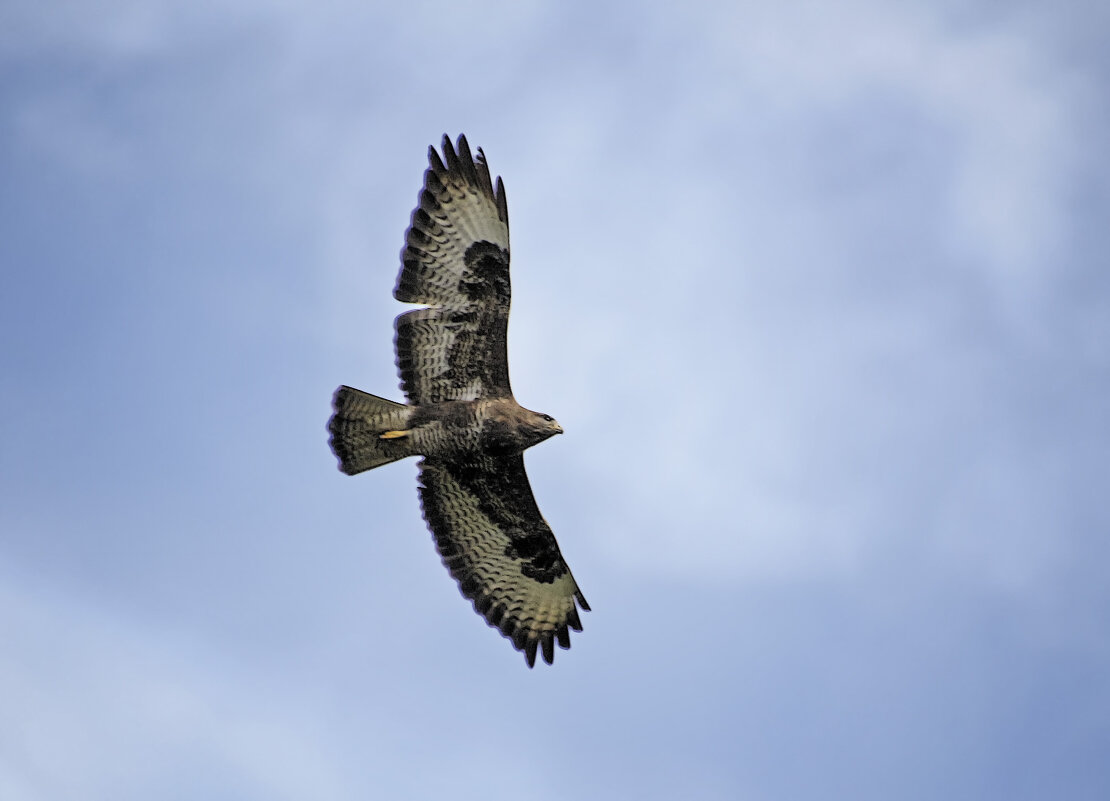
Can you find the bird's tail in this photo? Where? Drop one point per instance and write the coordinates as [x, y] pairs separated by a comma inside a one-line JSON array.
[[368, 431]]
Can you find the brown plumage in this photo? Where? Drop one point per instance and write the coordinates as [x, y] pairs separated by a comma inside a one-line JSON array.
[[461, 416]]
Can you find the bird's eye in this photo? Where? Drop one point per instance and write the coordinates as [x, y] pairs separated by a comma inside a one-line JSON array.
[[548, 418]]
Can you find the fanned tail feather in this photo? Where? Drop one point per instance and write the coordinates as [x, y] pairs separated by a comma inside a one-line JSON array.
[[357, 426]]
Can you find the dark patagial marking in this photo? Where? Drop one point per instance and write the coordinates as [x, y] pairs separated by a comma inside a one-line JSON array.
[[487, 273], [475, 344], [504, 500], [539, 560]]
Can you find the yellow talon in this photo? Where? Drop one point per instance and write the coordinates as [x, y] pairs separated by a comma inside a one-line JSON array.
[[393, 435]]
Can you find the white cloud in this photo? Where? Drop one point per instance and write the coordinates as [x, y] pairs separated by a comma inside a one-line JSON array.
[[1010, 107]]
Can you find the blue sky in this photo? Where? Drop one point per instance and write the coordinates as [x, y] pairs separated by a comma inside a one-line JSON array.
[[819, 294]]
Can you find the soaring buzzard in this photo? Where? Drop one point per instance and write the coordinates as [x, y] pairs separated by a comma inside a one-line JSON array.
[[461, 416]]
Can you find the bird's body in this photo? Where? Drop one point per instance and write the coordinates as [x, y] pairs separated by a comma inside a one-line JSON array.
[[462, 417], [451, 430]]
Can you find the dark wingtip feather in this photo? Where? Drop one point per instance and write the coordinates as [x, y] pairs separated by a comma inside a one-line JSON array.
[[484, 179], [581, 600], [466, 161], [435, 162], [573, 620], [502, 202], [449, 156]]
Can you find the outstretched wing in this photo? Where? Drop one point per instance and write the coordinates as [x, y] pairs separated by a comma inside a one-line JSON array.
[[456, 261], [495, 542]]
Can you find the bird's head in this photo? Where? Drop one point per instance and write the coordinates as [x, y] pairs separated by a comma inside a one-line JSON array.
[[541, 426]]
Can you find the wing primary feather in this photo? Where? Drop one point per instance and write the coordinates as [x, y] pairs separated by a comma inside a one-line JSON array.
[[432, 186], [422, 221], [578, 596], [484, 179], [466, 161], [502, 203], [449, 156], [530, 652], [436, 167], [572, 619], [548, 643]]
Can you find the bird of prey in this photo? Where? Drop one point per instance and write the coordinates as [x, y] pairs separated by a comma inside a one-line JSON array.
[[461, 416]]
